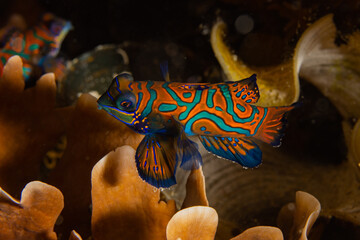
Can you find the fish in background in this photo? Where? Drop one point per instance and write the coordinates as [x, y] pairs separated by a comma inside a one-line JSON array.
[[222, 115], [37, 46]]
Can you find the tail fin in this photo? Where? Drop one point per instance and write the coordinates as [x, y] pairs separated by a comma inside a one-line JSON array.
[[272, 128]]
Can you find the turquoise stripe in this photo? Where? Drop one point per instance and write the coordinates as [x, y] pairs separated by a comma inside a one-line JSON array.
[[3, 60], [262, 120], [139, 101], [218, 122], [41, 38], [164, 107], [149, 104], [189, 106], [187, 95], [230, 107], [32, 47], [240, 107], [210, 100], [12, 52]]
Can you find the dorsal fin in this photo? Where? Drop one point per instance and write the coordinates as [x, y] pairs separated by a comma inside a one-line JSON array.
[[245, 90], [165, 71], [194, 86], [126, 75]]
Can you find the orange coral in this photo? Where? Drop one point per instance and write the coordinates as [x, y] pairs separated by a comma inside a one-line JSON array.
[[34, 216], [29, 124], [124, 206], [91, 135], [195, 190], [260, 232], [197, 222], [296, 219]]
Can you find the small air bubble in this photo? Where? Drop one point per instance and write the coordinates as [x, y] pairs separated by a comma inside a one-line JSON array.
[[244, 24]]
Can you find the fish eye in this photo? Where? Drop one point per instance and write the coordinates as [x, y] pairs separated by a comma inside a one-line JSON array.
[[126, 104], [126, 101]]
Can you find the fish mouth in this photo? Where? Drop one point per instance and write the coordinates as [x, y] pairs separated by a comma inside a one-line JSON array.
[[106, 104], [103, 101]]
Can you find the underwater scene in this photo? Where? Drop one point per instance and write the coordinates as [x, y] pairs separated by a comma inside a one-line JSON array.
[[180, 120]]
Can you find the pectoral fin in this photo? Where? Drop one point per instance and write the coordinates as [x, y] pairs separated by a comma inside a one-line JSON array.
[[156, 160], [239, 150]]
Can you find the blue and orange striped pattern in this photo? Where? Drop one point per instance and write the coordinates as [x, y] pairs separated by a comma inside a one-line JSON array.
[[222, 115], [36, 43]]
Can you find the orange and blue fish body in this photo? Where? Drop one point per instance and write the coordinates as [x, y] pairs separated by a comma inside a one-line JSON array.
[[36, 45], [221, 114]]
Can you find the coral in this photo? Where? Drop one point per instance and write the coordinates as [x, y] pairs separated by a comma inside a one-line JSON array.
[[124, 206], [34, 216], [278, 85], [297, 219], [30, 125], [260, 232], [90, 136], [332, 68], [197, 222], [195, 190]]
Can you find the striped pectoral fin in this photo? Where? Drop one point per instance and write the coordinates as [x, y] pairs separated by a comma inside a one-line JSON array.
[[239, 150], [188, 153], [156, 160], [272, 127]]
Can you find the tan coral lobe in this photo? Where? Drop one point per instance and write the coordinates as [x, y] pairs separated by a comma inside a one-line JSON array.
[[34, 216], [195, 189], [30, 125], [260, 232], [124, 206], [297, 219], [196, 222]]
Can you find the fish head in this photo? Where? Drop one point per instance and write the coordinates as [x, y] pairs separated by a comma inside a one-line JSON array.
[[120, 100]]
